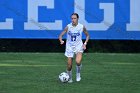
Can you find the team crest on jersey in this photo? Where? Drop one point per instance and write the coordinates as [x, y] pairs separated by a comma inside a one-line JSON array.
[[73, 34]]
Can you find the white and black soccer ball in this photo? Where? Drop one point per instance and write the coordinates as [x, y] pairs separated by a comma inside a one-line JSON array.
[[64, 77]]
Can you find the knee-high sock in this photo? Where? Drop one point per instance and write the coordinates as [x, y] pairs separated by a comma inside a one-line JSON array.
[[78, 68], [70, 74]]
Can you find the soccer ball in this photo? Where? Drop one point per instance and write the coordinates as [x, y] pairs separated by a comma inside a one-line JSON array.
[[64, 77]]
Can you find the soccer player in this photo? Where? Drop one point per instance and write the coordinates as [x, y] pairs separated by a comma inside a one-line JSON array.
[[74, 45]]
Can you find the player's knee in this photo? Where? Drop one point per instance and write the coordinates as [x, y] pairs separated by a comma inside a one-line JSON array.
[[78, 61]]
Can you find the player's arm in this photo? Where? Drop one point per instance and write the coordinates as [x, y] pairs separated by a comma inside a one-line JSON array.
[[61, 35], [87, 35]]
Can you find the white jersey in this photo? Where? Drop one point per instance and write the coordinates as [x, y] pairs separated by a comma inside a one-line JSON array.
[[74, 40], [74, 34]]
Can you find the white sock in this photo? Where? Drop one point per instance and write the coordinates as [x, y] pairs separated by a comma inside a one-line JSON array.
[[78, 68], [70, 74]]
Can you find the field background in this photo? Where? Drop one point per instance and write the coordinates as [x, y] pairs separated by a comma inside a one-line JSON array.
[[38, 73]]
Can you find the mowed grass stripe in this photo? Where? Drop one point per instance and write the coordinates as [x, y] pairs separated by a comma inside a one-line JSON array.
[[26, 65], [38, 73]]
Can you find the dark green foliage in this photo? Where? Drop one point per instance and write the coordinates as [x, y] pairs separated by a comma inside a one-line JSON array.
[[47, 45]]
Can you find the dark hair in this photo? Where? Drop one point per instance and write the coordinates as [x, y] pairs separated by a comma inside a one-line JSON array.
[[75, 14]]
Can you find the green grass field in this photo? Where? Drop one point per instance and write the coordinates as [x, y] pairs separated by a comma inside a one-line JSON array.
[[38, 73]]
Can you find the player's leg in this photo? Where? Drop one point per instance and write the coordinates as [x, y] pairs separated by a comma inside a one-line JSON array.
[[69, 54], [78, 65], [69, 68], [69, 64]]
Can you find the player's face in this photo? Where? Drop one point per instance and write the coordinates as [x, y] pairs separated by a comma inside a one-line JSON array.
[[74, 19]]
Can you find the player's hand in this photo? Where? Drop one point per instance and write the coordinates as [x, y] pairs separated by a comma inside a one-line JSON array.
[[62, 42], [84, 46]]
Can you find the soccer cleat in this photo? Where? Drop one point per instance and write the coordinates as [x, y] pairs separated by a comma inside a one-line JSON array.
[[78, 78], [70, 81]]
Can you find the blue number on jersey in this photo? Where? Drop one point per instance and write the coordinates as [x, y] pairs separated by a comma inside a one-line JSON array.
[[73, 38]]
